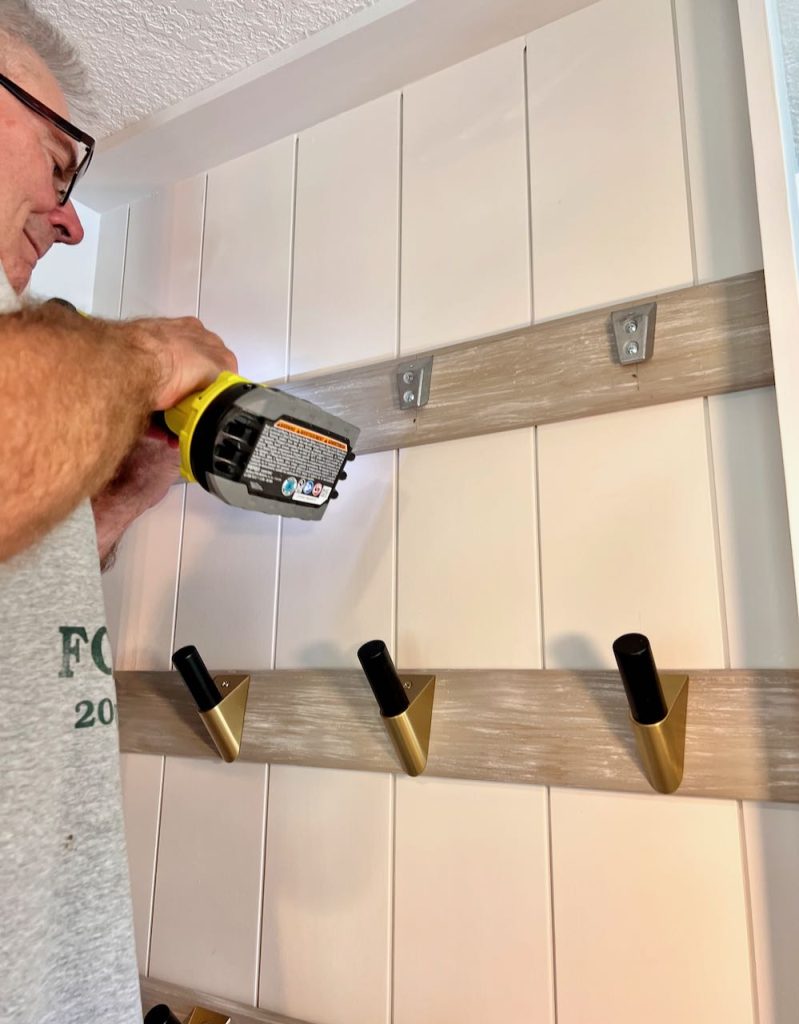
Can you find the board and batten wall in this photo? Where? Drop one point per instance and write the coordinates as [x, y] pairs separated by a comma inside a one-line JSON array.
[[604, 157]]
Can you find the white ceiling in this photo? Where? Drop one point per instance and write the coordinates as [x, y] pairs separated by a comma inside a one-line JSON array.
[[379, 47], [789, 25], [146, 55]]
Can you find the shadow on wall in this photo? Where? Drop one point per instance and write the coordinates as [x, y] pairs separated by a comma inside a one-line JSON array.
[[577, 651]]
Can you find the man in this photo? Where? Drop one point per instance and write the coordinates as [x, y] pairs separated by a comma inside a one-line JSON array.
[[76, 396]]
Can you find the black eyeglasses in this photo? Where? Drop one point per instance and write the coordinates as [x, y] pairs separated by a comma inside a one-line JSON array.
[[63, 178]]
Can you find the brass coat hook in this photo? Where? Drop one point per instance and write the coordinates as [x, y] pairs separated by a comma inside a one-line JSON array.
[[406, 704], [221, 700], [658, 711]]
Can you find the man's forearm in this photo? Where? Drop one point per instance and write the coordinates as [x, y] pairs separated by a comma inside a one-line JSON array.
[[76, 395]]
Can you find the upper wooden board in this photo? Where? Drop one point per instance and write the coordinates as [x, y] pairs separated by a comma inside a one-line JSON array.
[[709, 339]]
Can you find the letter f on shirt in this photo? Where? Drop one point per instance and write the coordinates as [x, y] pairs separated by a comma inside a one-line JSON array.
[[70, 648]]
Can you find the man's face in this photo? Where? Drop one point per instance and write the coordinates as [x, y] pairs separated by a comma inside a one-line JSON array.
[[30, 218]]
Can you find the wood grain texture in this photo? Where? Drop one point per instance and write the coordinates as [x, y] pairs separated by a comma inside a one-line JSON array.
[[181, 1001], [709, 340], [530, 726]]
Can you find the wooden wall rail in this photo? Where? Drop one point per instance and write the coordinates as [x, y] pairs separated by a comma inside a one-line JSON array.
[[546, 727], [181, 1001], [709, 339]]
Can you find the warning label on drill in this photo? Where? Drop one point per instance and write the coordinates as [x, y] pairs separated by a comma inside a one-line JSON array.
[[295, 462]]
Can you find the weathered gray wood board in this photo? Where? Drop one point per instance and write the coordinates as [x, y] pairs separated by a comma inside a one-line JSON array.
[[181, 1001], [545, 727], [709, 339]]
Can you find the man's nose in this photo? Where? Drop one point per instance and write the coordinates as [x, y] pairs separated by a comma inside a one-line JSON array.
[[68, 228]]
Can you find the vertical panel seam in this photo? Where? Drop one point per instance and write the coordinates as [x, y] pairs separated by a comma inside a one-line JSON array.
[[259, 939], [392, 930], [286, 366], [292, 253], [178, 574], [202, 248], [121, 302], [397, 342], [151, 916], [199, 303], [124, 263], [539, 546], [401, 145], [124, 597], [276, 592], [395, 556], [714, 509], [750, 925], [551, 867], [529, 164], [684, 136], [182, 530]]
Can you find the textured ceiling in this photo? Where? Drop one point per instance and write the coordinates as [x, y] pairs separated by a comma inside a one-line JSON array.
[[789, 25], [145, 55]]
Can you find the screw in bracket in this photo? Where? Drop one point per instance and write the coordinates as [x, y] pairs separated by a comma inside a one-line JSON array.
[[413, 382], [634, 332]]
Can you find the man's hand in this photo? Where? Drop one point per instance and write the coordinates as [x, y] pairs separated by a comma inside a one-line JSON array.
[[188, 356], [99, 382], [141, 482]]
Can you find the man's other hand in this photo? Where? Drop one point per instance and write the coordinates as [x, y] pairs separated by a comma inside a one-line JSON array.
[[141, 482]]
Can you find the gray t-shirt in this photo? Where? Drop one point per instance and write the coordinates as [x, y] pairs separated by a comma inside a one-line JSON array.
[[67, 954]]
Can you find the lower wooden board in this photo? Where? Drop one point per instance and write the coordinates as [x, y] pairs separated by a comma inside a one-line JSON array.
[[709, 339], [181, 1001], [544, 727]]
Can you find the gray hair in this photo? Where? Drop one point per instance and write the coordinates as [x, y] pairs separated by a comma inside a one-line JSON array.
[[24, 30]]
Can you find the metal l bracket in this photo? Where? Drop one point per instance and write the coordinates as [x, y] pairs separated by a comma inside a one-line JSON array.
[[413, 383], [634, 330]]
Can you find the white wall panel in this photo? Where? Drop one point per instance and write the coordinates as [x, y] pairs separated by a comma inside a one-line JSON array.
[[226, 593], [68, 271], [473, 937], [247, 257], [465, 241], [644, 889], [140, 591], [207, 913], [609, 204], [162, 264], [650, 910], [142, 775], [627, 537], [327, 896], [719, 144], [468, 557], [162, 272], [753, 531], [772, 848], [111, 245], [346, 254], [337, 574]]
